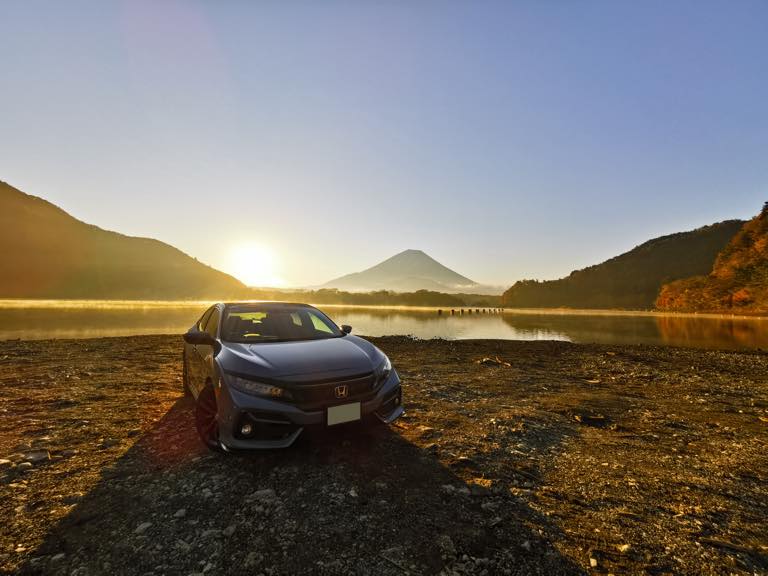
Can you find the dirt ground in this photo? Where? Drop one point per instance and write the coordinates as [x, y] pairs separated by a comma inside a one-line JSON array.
[[558, 459]]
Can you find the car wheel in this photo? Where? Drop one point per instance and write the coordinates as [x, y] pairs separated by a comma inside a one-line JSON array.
[[206, 422], [185, 375]]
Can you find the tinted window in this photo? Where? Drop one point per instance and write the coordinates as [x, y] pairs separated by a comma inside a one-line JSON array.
[[213, 323], [276, 323]]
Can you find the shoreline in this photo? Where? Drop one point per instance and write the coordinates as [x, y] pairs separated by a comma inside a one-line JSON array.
[[66, 304]]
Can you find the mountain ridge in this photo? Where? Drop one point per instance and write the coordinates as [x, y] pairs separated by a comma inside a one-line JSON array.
[[737, 282], [47, 253], [406, 271], [631, 280]]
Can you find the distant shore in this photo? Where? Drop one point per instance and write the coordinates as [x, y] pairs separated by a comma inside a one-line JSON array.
[[527, 457]]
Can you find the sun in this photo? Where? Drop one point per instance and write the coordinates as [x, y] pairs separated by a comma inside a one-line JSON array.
[[254, 264]]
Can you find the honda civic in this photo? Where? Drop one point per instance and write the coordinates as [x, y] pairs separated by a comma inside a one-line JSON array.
[[262, 372]]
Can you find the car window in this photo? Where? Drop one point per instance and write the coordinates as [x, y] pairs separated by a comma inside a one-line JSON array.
[[204, 318], [276, 323], [212, 327], [319, 324]]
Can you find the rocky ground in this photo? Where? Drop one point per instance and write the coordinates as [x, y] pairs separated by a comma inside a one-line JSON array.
[[554, 459]]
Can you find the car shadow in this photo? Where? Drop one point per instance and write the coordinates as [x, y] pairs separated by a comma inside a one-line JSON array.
[[356, 499]]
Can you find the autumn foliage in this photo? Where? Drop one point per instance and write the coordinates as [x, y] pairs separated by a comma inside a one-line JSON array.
[[738, 281]]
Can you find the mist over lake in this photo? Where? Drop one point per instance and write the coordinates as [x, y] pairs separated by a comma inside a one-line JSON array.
[[38, 320]]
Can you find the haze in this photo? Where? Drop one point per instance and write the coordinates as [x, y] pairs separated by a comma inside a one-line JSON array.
[[316, 139]]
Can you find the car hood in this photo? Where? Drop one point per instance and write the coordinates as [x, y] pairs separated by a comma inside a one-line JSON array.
[[306, 360]]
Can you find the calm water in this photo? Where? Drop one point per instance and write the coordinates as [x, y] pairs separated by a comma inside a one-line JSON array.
[[67, 319]]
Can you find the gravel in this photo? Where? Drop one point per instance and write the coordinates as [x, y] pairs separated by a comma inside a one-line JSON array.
[[557, 459]]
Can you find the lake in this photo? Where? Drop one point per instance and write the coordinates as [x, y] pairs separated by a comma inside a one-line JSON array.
[[41, 319]]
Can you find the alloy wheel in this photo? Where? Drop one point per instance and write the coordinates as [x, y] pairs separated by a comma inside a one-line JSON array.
[[206, 420]]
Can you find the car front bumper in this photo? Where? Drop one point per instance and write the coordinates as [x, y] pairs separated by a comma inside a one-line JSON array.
[[279, 424]]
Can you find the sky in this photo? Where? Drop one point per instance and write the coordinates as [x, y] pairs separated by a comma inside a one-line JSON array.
[[293, 142]]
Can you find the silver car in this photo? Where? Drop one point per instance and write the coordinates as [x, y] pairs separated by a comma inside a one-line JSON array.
[[261, 372]]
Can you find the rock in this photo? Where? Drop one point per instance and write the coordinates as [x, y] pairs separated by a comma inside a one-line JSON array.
[[446, 546], [58, 557], [353, 493], [143, 527], [526, 545], [37, 456], [180, 513], [253, 559], [24, 466], [464, 461], [5, 464], [68, 453], [624, 548], [493, 362], [266, 495], [593, 562], [229, 530], [108, 443]]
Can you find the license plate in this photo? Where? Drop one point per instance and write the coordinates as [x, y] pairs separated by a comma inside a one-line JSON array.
[[343, 413]]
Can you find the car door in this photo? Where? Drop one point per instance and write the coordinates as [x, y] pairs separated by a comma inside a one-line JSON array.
[[195, 373], [205, 352]]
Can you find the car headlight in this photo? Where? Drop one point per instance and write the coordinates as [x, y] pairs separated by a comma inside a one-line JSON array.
[[258, 388], [382, 372]]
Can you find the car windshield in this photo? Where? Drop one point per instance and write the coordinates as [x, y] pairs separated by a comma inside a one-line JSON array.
[[254, 323]]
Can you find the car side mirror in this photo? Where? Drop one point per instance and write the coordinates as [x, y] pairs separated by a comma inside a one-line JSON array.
[[198, 337], [346, 328], [201, 338]]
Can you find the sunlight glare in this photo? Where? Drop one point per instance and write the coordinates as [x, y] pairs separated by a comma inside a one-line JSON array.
[[255, 265]]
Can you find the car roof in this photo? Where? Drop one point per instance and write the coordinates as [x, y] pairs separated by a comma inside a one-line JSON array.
[[262, 303]]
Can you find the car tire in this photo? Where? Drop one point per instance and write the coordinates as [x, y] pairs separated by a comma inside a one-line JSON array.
[[185, 375], [206, 417]]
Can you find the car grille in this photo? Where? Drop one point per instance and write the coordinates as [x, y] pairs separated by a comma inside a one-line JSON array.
[[314, 396]]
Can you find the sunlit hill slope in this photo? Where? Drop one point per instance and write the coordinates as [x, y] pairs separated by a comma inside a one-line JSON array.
[[633, 279], [46, 253], [738, 281]]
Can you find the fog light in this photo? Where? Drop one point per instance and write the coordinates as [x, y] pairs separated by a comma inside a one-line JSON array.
[[246, 429]]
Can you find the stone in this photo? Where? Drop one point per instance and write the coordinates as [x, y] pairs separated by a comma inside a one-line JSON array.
[[37, 456], [24, 466], [446, 546], [58, 557], [624, 548], [266, 495], [143, 527], [180, 513]]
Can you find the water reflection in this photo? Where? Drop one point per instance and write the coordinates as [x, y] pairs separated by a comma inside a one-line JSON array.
[[66, 319]]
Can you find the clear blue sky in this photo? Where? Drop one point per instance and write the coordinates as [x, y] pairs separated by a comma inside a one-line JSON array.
[[508, 140]]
